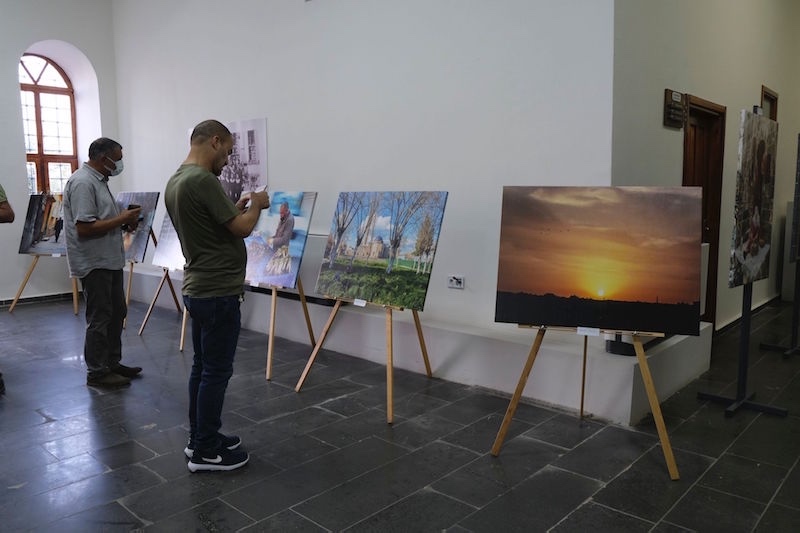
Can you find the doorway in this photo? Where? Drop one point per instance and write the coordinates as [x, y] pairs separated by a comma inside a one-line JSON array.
[[703, 150]]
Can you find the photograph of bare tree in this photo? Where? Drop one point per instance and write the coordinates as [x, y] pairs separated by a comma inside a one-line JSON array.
[[381, 247], [755, 189], [275, 248], [135, 242], [614, 258]]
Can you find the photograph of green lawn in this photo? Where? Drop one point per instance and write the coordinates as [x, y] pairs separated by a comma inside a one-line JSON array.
[[381, 247]]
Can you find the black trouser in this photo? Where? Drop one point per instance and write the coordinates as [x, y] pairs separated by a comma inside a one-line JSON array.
[[105, 314]]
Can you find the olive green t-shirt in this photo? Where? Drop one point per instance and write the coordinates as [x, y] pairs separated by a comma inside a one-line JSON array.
[[215, 259]]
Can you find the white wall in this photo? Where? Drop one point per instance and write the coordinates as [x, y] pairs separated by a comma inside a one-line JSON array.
[[718, 50], [462, 96], [78, 34]]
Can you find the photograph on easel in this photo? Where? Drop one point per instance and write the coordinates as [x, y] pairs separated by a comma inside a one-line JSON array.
[[135, 242], [275, 248], [381, 247], [168, 253], [44, 224], [246, 170], [614, 258], [755, 190], [794, 248]]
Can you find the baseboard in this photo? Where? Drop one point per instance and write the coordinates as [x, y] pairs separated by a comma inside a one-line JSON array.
[[38, 299]]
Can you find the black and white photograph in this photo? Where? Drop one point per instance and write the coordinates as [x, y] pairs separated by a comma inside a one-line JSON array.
[[246, 170]]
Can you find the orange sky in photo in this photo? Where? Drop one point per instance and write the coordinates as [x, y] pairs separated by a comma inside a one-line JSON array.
[[604, 243]]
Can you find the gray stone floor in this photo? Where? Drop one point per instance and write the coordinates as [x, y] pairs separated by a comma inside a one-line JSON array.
[[80, 459]]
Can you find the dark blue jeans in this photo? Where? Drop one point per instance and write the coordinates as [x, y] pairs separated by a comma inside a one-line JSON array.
[[216, 322], [105, 314]]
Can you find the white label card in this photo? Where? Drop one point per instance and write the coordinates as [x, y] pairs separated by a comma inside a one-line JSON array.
[[589, 332], [359, 302]]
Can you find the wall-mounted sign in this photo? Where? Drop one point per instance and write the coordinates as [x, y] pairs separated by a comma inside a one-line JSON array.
[[674, 109]]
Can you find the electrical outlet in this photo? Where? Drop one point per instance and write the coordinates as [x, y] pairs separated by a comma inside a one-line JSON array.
[[455, 281]]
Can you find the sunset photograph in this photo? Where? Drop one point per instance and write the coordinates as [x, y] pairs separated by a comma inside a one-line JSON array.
[[616, 258]]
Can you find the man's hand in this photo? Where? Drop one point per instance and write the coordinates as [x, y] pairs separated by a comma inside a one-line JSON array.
[[259, 200], [130, 219]]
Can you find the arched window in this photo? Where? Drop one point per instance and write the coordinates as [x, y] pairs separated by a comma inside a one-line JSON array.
[[48, 119]]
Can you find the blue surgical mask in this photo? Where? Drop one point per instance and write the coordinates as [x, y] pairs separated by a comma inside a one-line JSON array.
[[117, 169]]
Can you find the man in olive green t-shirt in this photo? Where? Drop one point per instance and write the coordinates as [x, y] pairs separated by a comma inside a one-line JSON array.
[[211, 229]]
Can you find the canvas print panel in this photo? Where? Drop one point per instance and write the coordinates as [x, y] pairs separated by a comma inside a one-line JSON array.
[[795, 242], [246, 170], [755, 189], [275, 248], [381, 247], [42, 233], [135, 242], [168, 253], [614, 258]]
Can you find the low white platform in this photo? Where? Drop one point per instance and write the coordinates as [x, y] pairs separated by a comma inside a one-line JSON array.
[[491, 357]]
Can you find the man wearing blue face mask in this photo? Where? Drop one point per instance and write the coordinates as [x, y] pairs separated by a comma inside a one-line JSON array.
[[93, 227]]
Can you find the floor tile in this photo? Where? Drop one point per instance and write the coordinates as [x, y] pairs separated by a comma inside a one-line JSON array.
[[770, 439], [292, 486], [744, 477], [285, 521], [425, 510], [111, 517], [779, 519], [606, 453], [704, 509], [645, 489], [348, 503], [213, 515], [790, 489], [593, 517], [565, 431], [487, 477], [536, 504]]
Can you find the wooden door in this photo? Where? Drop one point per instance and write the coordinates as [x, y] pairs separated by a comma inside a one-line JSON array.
[[703, 150]]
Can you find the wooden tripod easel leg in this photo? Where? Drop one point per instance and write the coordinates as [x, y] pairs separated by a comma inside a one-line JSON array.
[[655, 407], [74, 295], [24, 282], [271, 340], [172, 291], [523, 379], [318, 345], [183, 327], [305, 311], [389, 368], [422, 343], [164, 277]]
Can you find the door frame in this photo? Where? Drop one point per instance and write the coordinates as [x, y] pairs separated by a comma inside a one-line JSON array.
[[696, 105]]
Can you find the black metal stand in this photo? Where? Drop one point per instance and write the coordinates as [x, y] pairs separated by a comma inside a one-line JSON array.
[[793, 348], [742, 399]]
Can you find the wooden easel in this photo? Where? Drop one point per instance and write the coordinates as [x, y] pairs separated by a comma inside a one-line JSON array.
[[273, 313], [130, 279], [28, 276], [647, 378], [389, 353], [164, 278]]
